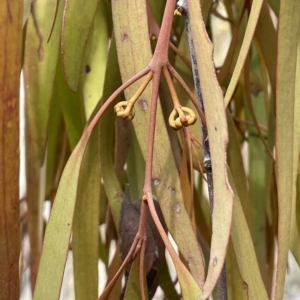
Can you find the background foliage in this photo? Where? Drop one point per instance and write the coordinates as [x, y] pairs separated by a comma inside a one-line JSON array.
[[75, 55]]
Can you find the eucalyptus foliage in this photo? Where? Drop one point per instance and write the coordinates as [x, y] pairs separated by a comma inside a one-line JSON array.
[[85, 64]]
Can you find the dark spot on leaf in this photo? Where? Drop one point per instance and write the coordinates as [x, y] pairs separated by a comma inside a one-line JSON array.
[[124, 37], [215, 261], [68, 224], [245, 286], [142, 104], [87, 69], [216, 129]]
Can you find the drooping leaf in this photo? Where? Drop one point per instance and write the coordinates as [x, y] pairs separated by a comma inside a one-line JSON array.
[[257, 159], [35, 193], [111, 182], [251, 25], [135, 169], [133, 287], [295, 239], [288, 39], [218, 138], [39, 70], [244, 251], [235, 162], [72, 107], [56, 148], [86, 223], [95, 58], [267, 38], [237, 288], [58, 231], [166, 284], [77, 21]]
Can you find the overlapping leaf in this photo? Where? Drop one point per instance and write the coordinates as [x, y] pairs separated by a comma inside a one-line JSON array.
[[288, 40], [77, 22], [218, 138], [39, 70]]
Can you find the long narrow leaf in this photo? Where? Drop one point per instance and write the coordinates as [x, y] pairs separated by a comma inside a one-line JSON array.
[[288, 40], [85, 236], [218, 138]]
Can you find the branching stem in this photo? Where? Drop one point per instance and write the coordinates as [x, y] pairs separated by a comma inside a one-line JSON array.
[[158, 63]]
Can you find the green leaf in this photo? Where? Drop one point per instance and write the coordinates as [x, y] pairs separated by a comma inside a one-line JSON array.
[[71, 106], [35, 195], [256, 110], [56, 148], [95, 59], [39, 70], [85, 238], [166, 284], [295, 240], [58, 231], [267, 38], [251, 25], [77, 21], [112, 185], [244, 251], [218, 138], [288, 40], [133, 288], [235, 162], [134, 55], [237, 288], [135, 169]]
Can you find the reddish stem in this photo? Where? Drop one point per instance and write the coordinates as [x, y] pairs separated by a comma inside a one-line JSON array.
[[160, 56]]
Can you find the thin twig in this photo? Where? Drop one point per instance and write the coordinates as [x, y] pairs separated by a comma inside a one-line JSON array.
[[222, 282]]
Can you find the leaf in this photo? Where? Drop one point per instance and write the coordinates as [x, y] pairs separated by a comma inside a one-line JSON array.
[[267, 38], [39, 70], [166, 284], [295, 240], [134, 54], [95, 58], [288, 40], [251, 25], [218, 138], [77, 21], [72, 108], [235, 162], [35, 195], [133, 288], [10, 66], [58, 230], [256, 112], [135, 168], [111, 271], [85, 238], [56, 148], [237, 288], [112, 185], [244, 251]]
